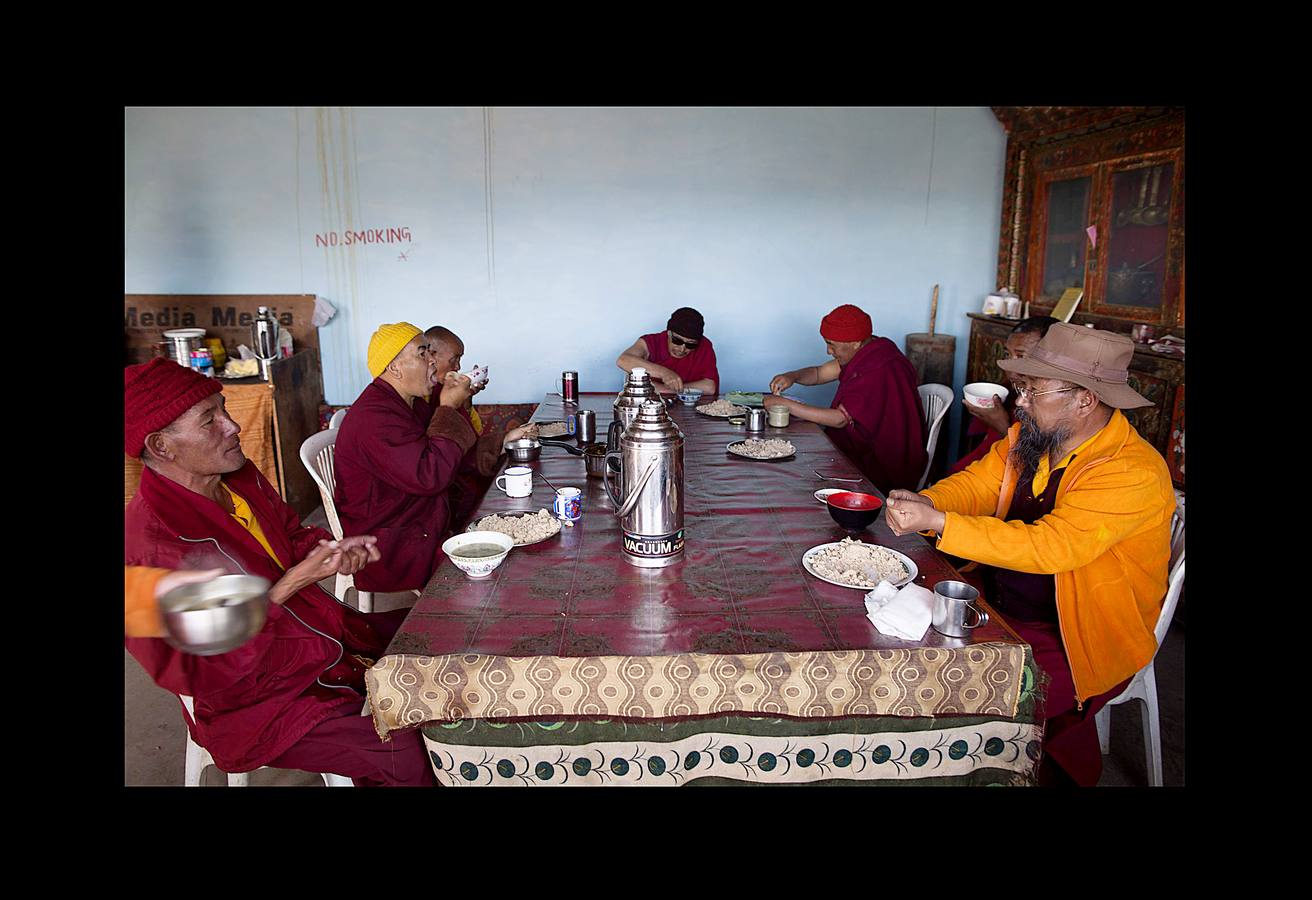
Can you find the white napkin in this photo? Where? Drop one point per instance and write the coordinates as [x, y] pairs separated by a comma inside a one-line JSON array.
[[904, 613], [323, 311]]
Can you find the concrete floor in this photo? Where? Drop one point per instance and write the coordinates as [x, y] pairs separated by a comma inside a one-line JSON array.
[[155, 736]]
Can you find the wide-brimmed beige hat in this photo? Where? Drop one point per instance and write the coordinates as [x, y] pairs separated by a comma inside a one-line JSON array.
[[1093, 359]]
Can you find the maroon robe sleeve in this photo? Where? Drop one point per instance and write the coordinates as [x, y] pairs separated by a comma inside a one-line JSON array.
[[421, 466]]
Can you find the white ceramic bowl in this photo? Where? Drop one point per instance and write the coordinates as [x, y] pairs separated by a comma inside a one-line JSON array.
[[483, 566], [689, 396], [984, 394]]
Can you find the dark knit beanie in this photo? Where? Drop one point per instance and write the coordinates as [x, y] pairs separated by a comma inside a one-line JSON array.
[[687, 322]]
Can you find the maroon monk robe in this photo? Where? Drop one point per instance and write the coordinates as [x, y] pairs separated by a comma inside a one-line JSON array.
[[393, 470], [255, 702], [885, 436], [697, 365], [478, 466]]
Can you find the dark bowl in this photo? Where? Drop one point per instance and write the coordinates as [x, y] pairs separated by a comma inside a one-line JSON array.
[[853, 511]]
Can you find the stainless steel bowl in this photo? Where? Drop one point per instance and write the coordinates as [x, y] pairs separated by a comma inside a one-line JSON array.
[[594, 459], [524, 450], [215, 616]]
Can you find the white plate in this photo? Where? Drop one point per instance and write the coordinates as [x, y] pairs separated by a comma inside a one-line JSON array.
[[727, 416], [473, 526], [912, 571], [758, 458], [824, 493]]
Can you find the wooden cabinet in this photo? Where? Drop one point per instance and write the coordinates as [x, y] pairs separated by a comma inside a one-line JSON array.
[[1159, 378], [1094, 198]]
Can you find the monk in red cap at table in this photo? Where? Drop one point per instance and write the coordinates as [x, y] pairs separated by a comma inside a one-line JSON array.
[[679, 357], [875, 417], [291, 696]]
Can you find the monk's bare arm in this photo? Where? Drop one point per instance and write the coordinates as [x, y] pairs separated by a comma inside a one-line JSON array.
[[809, 376], [634, 356], [830, 418]]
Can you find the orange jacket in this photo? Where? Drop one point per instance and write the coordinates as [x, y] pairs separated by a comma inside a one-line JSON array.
[[1107, 541], [141, 616]]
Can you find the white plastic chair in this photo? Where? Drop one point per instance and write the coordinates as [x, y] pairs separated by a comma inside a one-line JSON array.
[[198, 758], [936, 399], [317, 456], [336, 421], [1144, 685]]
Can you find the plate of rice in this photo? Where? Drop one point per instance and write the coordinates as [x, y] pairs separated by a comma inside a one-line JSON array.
[[851, 564], [523, 528], [721, 409], [764, 450]]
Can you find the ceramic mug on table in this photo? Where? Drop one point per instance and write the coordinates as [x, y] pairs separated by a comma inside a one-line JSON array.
[[518, 481], [951, 601], [568, 505]]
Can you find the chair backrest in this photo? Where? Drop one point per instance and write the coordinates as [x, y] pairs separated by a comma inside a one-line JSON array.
[[936, 400], [317, 457], [1176, 579], [336, 420]]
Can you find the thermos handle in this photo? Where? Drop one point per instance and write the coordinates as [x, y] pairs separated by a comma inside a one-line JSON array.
[[616, 500], [637, 490]]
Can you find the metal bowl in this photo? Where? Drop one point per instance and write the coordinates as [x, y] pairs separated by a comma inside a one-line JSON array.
[[215, 616], [524, 450]]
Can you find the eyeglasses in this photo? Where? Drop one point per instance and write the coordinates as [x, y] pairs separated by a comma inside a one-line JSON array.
[[1023, 392], [684, 342]]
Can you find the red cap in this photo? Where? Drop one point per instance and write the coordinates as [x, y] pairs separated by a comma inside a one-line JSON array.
[[846, 323], [155, 394]]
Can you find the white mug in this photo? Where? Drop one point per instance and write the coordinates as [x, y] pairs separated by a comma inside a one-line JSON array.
[[518, 481]]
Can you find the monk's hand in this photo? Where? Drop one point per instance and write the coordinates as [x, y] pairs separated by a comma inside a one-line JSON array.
[[906, 515], [357, 552], [456, 390], [184, 576], [320, 563], [781, 383], [994, 417], [670, 379], [524, 431], [770, 400]]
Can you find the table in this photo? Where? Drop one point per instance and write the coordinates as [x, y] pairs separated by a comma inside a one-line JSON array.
[[569, 666]]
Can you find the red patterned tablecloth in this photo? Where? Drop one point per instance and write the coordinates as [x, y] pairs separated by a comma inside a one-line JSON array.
[[566, 629]]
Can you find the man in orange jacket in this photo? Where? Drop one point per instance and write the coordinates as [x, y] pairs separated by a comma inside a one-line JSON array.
[[1071, 518]]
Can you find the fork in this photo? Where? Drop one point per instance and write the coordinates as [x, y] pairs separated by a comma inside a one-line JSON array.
[[832, 478]]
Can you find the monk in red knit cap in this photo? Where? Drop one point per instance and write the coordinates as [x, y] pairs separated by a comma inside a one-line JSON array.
[[291, 696], [876, 417]]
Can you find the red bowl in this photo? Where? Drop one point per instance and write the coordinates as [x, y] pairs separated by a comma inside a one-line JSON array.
[[854, 511]]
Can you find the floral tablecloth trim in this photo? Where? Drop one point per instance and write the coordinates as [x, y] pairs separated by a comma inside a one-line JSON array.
[[998, 752], [980, 679]]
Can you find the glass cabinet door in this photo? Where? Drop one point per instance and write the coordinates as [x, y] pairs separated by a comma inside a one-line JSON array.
[[1135, 272], [1064, 242]]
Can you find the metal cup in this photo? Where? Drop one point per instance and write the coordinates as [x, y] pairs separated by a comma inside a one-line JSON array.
[[756, 419], [951, 600], [586, 430]]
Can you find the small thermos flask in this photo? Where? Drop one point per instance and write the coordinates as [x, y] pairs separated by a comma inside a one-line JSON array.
[[569, 387], [586, 430]]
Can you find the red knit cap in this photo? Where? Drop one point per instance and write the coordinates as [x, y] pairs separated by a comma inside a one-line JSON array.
[[156, 393], [847, 323]]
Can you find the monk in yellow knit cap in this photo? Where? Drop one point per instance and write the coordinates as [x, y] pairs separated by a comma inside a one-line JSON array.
[[394, 464]]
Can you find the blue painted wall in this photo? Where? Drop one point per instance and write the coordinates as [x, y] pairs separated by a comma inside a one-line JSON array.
[[550, 238]]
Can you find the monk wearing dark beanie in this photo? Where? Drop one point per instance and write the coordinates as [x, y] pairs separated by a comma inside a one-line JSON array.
[[678, 358], [875, 417]]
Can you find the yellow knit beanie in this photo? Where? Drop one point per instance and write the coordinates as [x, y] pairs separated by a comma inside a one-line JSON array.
[[388, 341]]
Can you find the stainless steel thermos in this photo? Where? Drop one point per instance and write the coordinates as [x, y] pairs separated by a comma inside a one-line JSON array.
[[637, 391], [569, 387], [649, 502], [586, 430]]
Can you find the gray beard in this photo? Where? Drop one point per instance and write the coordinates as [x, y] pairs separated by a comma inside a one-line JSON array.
[[1034, 444]]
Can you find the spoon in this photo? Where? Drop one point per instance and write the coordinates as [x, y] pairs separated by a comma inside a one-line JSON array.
[[832, 478]]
